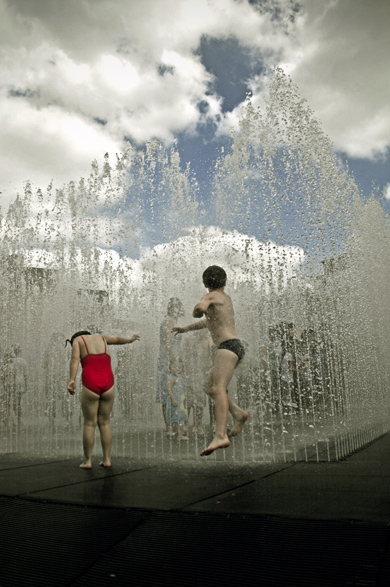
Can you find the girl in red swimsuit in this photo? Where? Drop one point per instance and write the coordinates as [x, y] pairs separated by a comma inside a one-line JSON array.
[[97, 375], [98, 392]]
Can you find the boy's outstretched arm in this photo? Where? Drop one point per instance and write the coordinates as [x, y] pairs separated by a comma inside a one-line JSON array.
[[195, 326], [201, 308]]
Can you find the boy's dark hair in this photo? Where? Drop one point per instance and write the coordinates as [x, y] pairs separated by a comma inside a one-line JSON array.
[[76, 334], [214, 277]]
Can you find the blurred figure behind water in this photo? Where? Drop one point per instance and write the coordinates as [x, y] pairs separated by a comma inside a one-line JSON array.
[[169, 353], [197, 360], [55, 369], [20, 374]]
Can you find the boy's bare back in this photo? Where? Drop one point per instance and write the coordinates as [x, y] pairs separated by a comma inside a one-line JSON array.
[[218, 310]]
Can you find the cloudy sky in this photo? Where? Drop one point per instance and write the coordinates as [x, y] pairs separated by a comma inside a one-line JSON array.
[[79, 78]]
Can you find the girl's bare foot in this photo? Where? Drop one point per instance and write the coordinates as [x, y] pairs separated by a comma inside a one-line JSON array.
[[238, 423], [214, 445], [106, 465], [85, 465]]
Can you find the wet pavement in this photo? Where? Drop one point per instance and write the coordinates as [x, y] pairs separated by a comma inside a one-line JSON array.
[[153, 522]]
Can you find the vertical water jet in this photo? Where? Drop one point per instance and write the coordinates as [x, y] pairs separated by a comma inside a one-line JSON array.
[[306, 258]]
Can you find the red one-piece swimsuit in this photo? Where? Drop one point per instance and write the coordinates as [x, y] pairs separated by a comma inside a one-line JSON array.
[[97, 375]]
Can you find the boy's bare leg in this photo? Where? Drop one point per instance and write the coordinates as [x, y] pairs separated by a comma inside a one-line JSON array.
[[239, 418], [225, 363]]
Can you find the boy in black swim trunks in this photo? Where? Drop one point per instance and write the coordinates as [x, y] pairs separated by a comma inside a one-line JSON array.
[[217, 309]]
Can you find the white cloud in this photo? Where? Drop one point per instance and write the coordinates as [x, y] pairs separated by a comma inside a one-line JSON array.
[[50, 143], [130, 65], [386, 192], [78, 77], [244, 258], [117, 74], [337, 59], [335, 52]]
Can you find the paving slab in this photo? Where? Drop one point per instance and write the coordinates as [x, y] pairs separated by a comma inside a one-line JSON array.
[[16, 461], [376, 451], [212, 550], [163, 487], [43, 544], [215, 523], [34, 476], [347, 468], [309, 492], [356, 488]]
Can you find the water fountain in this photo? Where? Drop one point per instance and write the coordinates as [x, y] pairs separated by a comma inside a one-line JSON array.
[[300, 245]]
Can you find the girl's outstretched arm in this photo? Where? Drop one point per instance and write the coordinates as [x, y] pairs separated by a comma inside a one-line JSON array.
[[120, 339]]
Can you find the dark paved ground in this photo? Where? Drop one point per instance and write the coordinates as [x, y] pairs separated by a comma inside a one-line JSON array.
[[196, 523]]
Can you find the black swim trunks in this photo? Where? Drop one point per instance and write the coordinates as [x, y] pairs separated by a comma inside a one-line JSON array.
[[235, 345]]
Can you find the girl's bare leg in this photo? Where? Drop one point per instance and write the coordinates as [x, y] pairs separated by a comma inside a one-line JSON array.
[[105, 407], [90, 406]]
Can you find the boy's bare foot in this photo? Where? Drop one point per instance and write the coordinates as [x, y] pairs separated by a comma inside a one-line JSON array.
[[106, 465], [85, 465], [214, 445], [238, 423]]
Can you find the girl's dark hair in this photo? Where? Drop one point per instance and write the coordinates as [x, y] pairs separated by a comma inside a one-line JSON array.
[[214, 277], [76, 334]]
